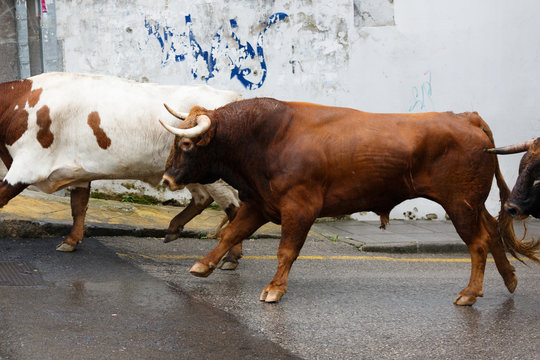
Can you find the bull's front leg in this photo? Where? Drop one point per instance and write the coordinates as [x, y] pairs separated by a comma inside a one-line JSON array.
[[247, 220], [296, 220], [230, 261], [195, 207], [79, 204]]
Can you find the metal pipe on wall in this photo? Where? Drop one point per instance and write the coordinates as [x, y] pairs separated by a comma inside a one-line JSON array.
[[49, 42], [21, 19]]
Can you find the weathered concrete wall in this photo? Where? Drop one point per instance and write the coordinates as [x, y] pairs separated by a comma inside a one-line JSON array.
[[374, 55], [9, 65]]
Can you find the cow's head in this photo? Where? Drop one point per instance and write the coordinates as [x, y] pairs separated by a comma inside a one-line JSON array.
[[525, 197], [190, 157]]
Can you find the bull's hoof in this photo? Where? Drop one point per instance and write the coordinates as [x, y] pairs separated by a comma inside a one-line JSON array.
[[228, 264], [511, 283], [66, 247], [465, 300], [200, 270], [271, 296], [171, 236]]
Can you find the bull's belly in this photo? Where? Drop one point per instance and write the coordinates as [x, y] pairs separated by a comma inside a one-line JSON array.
[[378, 203], [338, 206]]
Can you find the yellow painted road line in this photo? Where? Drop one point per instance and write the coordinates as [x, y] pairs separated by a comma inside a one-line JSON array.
[[304, 257]]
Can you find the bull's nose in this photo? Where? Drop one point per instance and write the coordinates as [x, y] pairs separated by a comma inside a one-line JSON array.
[[170, 183], [512, 209]]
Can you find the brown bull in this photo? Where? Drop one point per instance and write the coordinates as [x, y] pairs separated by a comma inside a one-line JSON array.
[[294, 162], [525, 197]]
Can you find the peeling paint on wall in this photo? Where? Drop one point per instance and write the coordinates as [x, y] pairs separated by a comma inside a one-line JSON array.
[[245, 62]]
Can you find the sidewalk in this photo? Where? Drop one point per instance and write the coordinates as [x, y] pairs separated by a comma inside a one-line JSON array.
[[33, 214]]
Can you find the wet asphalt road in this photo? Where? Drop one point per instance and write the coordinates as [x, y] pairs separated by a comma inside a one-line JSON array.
[[133, 298], [93, 305]]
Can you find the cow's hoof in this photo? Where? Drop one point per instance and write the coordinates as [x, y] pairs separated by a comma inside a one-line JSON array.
[[465, 300], [200, 270], [228, 264], [66, 247], [271, 296], [511, 284], [171, 237]]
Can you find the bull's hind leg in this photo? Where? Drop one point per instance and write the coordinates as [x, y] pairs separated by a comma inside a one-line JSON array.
[[79, 204], [497, 251], [470, 227]]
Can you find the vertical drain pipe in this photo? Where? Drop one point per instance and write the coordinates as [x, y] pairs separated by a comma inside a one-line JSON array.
[[49, 42], [23, 51]]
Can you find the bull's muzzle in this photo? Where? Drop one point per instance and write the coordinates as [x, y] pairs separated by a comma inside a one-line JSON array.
[[514, 210], [169, 182]]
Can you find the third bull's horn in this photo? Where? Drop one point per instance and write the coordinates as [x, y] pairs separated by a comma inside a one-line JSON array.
[[203, 124], [512, 149], [181, 116]]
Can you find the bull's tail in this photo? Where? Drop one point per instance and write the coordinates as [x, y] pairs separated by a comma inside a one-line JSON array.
[[507, 236]]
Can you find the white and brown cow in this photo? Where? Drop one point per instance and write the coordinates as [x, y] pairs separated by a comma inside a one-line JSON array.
[[61, 130]]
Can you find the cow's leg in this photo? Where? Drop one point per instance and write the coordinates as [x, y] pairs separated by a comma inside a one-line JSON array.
[[79, 204], [247, 220], [296, 220], [8, 192], [498, 252], [470, 227], [195, 207]]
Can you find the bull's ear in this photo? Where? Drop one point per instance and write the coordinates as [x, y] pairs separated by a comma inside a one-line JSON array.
[[207, 137]]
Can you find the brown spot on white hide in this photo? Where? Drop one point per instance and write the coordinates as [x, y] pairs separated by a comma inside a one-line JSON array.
[[44, 135], [13, 117], [102, 139], [34, 96]]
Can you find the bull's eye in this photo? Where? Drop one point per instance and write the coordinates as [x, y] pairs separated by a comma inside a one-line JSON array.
[[536, 182], [186, 144]]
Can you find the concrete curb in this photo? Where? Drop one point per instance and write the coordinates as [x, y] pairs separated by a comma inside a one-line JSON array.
[[16, 228], [415, 248]]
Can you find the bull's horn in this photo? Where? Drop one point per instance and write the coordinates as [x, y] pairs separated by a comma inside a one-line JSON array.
[[203, 124], [181, 116], [512, 149]]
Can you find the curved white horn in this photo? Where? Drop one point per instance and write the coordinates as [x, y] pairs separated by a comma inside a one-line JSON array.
[[180, 115], [512, 149], [203, 124]]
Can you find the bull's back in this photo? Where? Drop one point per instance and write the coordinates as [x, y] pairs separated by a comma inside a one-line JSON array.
[[370, 161]]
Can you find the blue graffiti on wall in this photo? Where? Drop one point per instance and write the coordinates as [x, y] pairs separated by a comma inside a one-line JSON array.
[[241, 56], [422, 95]]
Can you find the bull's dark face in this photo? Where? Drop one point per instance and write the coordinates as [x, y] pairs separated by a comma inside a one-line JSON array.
[[190, 157], [187, 164], [525, 197]]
